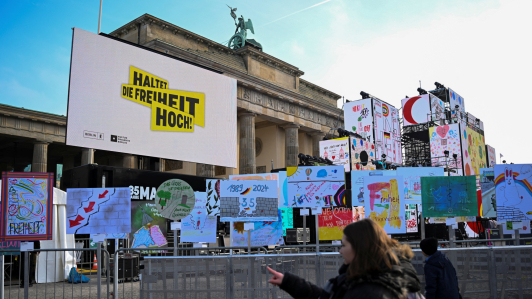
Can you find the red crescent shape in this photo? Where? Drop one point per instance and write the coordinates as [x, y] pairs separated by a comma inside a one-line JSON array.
[[407, 110]]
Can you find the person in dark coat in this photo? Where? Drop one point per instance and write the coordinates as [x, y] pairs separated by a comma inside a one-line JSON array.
[[405, 255], [370, 270], [440, 276]]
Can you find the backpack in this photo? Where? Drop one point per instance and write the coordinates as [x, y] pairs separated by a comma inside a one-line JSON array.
[[75, 277]]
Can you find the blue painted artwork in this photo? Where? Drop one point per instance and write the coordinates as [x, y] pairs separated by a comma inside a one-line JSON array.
[[445, 196]]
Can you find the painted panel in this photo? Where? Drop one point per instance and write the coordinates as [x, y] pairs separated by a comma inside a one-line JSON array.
[[513, 191], [358, 118], [357, 183], [263, 233], [316, 186], [248, 200], [336, 150], [362, 152], [446, 138], [449, 196], [487, 187], [416, 110], [384, 202]]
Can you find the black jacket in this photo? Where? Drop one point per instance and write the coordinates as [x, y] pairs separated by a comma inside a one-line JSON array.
[[410, 275], [387, 285], [440, 277]]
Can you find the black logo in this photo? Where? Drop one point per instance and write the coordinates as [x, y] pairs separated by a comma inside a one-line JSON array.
[[113, 138]]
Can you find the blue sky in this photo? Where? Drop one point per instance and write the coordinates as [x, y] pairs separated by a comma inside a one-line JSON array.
[[481, 49]]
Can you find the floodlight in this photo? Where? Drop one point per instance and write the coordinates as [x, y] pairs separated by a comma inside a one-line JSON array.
[[364, 95], [421, 91], [446, 153], [438, 85], [455, 156], [504, 161]]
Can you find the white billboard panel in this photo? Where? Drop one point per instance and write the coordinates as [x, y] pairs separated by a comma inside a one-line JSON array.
[[387, 131], [416, 110], [336, 150], [126, 99], [358, 118]]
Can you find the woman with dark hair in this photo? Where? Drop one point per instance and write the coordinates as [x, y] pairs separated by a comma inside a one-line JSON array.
[[370, 270]]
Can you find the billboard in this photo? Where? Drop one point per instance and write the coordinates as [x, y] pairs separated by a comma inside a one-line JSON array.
[[416, 110], [126, 99], [387, 131], [446, 138], [491, 156], [336, 150], [358, 118]]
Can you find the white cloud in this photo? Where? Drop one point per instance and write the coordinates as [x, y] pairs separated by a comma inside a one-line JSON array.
[[485, 57]]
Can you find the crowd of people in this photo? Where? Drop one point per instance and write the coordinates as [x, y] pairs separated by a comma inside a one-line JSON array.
[[376, 266]]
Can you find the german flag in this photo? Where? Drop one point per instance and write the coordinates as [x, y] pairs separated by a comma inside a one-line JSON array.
[[386, 135]]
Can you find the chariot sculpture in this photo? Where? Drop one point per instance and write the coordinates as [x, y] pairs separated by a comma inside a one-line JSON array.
[[238, 40]]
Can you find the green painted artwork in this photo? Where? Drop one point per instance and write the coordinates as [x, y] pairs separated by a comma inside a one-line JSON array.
[[453, 196], [175, 199], [288, 218]]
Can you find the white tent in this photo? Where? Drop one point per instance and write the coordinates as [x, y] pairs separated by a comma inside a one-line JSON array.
[[54, 266]]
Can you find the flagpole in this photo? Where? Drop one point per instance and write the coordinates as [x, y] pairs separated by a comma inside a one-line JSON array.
[[100, 17]]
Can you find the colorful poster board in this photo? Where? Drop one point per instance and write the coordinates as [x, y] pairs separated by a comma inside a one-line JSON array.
[[255, 176], [509, 227], [287, 214], [332, 221], [445, 196], [199, 226], [358, 213], [411, 218], [456, 100], [26, 207], [387, 131], [476, 151], [98, 210], [446, 138], [487, 187], [263, 234], [5, 245], [491, 155], [148, 226], [437, 108], [357, 183], [248, 200], [416, 110], [213, 197], [384, 202], [175, 199], [316, 186], [412, 181], [283, 189], [358, 118], [362, 152], [336, 150], [513, 191]]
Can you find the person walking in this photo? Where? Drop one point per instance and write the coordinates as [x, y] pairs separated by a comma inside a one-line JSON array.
[[404, 254], [370, 270], [440, 276]]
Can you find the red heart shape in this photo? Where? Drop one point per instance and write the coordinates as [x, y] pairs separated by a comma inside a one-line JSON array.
[[333, 157], [442, 131]]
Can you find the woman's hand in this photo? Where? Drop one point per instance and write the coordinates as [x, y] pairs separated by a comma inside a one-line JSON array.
[[277, 277]]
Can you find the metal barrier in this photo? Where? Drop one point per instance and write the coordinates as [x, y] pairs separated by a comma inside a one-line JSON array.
[[483, 272], [55, 283], [488, 272]]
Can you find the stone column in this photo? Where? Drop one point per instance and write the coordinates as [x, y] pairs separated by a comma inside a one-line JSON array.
[[161, 165], [87, 156], [129, 161], [204, 170], [40, 157], [316, 138], [247, 162], [291, 144]]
